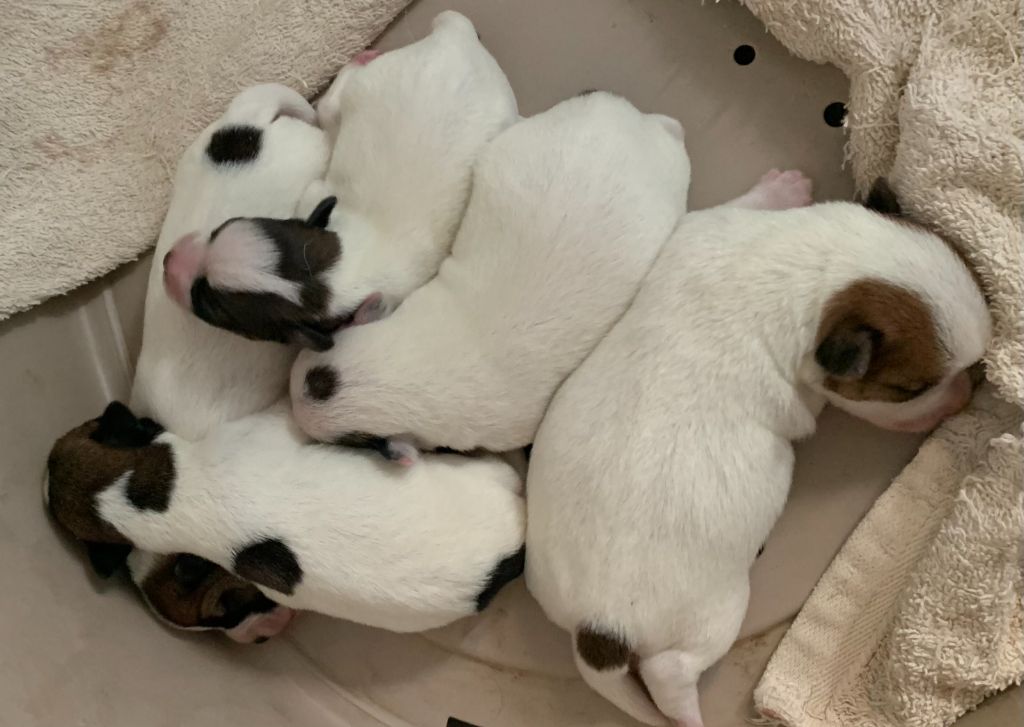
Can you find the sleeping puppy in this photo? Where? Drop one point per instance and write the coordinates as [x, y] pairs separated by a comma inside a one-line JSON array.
[[192, 593], [314, 527], [408, 127], [568, 210], [255, 160], [666, 458]]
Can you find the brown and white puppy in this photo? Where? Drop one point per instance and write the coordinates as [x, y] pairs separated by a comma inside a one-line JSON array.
[[665, 459], [192, 593], [313, 527]]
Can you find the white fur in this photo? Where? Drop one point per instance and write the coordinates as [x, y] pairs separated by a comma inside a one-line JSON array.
[[665, 459], [405, 549], [408, 127], [191, 376], [247, 260], [568, 210]]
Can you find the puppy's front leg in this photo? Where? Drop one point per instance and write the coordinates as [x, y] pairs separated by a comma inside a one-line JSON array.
[[776, 191]]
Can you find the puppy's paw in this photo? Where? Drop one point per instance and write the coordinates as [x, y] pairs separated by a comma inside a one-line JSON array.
[[401, 451], [778, 190]]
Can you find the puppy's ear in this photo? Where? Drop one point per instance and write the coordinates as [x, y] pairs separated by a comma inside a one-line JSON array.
[[882, 198], [308, 336], [118, 427], [107, 558], [320, 216], [846, 351]]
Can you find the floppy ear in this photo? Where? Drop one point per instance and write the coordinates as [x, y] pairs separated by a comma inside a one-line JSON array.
[[307, 336], [882, 198], [107, 558], [846, 351], [322, 213], [118, 427]]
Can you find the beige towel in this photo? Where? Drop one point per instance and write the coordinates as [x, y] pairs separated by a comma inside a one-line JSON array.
[[98, 100], [920, 615]]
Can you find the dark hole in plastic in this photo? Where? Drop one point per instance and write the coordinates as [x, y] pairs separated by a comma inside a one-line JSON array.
[[744, 55], [835, 113]]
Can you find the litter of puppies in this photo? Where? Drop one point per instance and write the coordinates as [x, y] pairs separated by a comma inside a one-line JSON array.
[[464, 279]]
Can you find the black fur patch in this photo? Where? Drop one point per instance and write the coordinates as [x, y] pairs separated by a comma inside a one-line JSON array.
[[600, 649], [587, 92], [152, 480], [119, 427], [107, 558], [269, 563], [507, 569], [321, 383], [235, 144], [362, 440], [881, 198]]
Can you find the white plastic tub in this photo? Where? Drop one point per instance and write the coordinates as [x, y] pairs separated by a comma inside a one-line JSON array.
[[75, 651]]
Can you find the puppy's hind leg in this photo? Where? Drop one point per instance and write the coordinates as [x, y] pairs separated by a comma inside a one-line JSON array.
[[776, 191]]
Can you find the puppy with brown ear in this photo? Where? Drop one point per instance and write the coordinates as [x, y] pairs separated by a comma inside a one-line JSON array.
[[313, 527], [665, 459], [188, 592]]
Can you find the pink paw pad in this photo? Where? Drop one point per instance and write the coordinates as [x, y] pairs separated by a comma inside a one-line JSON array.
[[365, 57], [778, 190]]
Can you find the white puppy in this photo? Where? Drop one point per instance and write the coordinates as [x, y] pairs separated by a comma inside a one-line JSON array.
[[316, 527], [665, 459], [409, 125], [568, 210], [256, 159]]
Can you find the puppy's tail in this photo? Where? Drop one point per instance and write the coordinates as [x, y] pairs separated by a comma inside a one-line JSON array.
[[609, 666], [646, 689], [671, 679], [262, 104]]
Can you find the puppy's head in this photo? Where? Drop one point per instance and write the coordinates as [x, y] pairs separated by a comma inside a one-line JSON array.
[[188, 592], [896, 351], [262, 278], [92, 457]]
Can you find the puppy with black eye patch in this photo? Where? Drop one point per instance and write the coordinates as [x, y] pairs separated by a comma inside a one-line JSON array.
[[407, 126], [665, 459], [568, 210], [313, 527], [257, 159]]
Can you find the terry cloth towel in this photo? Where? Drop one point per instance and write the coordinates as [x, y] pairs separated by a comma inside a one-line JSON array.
[[920, 615], [99, 98]]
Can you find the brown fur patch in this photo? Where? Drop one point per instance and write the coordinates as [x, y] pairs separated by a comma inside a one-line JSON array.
[[601, 650], [906, 358], [79, 468], [220, 600]]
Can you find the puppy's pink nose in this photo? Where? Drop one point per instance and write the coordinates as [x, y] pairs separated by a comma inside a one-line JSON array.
[[181, 267], [365, 57]]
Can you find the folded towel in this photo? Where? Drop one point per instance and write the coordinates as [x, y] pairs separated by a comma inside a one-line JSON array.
[[921, 615], [100, 98]]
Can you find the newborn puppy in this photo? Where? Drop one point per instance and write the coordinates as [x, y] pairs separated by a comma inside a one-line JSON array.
[[315, 527], [665, 458], [568, 210], [255, 160], [191, 593], [408, 127]]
